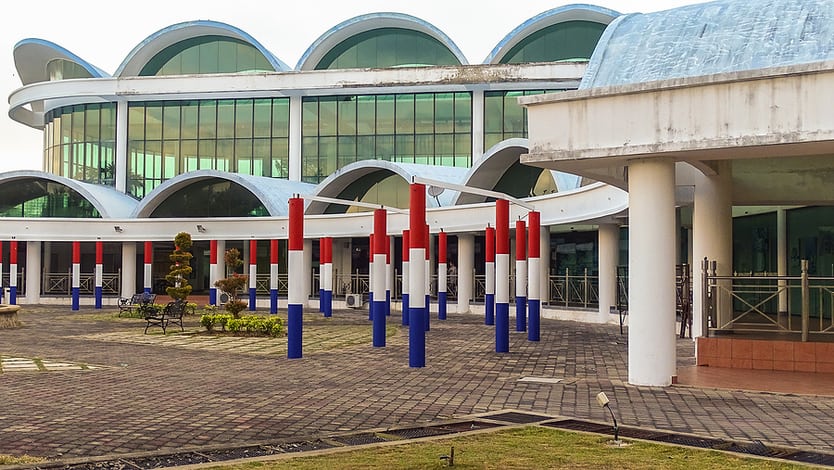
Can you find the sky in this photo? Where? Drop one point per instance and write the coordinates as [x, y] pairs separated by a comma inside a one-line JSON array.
[[103, 33]]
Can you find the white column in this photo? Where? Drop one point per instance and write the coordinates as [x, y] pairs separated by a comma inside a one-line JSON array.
[[477, 125], [782, 257], [712, 237], [295, 138], [544, 263], [308, 269], [128, 287], [651, 331], [34, 268], [466, 264], [221, 260], [121, 146], [609, 254]]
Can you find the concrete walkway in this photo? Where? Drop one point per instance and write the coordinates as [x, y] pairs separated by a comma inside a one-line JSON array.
[[113, 390]]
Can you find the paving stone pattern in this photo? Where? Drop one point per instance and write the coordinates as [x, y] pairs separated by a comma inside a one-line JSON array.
[[155, 393]]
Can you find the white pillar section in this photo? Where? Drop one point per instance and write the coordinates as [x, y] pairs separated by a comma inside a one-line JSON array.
[[295, 138], [128, 287], [34, 268], [466, 264], [712, 236], [121, 146], [477, 124], [782, 256], [651, 331], [221, 259], [609, 253], [308, 269], [544, 260]]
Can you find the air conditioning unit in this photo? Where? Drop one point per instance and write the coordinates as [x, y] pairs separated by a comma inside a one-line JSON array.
[[353, 300], [223, 298]]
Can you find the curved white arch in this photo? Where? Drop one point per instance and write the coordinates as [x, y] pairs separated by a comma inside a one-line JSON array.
[[32, 55], [274, 193], [158, 41], [359, 24], [334, 184], [576, 12], [109, 202]]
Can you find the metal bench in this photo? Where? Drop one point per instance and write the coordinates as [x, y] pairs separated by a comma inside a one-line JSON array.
[[138, 301], [171, 313]]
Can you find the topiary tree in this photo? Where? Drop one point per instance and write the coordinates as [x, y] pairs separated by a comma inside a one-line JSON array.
[[181, 267], [234, 284]]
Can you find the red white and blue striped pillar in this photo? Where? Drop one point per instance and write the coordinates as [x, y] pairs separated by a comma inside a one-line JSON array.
[[416, 278], [273, 276], [253, 275], [502, 276], [379, 240], [489, 288], [389, 275], [13, 272], [406, 275], [148, 279], [371, 304], [442, 274], [295, 262], [534, 270], [427, 276], [76, 274], [520, 275], [327, 276], [213, 272], [99, 271], [2, 289], [321, 274]]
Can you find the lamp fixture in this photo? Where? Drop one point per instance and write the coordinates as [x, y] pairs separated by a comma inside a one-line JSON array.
[[118, 228], [200, 228], [603, 401]]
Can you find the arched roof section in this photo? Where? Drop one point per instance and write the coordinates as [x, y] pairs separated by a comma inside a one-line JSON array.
[[273, 193], [335, 184], [32, 57], [709, 38], [157, 42], [492, 169], [353, 27], [109, 202], [566, 16]]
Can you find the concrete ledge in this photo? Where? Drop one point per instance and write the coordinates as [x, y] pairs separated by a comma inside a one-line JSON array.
[[8, 316]]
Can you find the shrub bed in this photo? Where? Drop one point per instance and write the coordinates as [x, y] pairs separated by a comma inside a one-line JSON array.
[[250, 325]]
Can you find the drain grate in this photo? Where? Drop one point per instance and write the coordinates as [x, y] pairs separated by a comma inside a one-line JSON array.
[[518, 418], [414, 433], [812, 458], [359, 439], [466, 426], [576, 425], [644, 434], [691, 441]]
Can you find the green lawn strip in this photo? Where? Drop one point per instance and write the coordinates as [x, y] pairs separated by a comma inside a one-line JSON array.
[[523, 449], [19, 459]]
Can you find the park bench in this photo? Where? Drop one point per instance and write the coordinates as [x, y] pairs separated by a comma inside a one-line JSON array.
[[162, 317], [141, 301]]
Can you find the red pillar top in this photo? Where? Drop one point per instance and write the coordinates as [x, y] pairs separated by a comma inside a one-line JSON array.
[[533, 232], [441, 247], [380, 238], [406, 239], [148, 252], [212, 251], [502, 227], [253, 252], [13, 252], [417, 215], [520, 240], [76, 252], [296, 224], [489, 256], [99, 252], [273, 251]]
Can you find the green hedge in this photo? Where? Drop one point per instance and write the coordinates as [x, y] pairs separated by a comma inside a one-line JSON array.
[[253, 325]]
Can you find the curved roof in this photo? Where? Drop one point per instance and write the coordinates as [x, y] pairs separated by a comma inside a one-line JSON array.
[[158, 41], [710, 38], [362, 23], [488, 170], [32, 55], [109, 202], [274, 193], [337, 182], [575, 12]]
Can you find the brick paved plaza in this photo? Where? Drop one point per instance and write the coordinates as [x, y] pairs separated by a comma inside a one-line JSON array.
[[84, 384]]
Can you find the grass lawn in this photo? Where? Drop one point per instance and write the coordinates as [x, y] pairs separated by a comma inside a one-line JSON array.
[[522, 448]]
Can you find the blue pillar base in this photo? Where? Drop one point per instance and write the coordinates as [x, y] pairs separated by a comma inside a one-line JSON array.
[[388, 303], [273, 301], [405, 310], [75, 298], [534, 328], [294, 319], [416, 338], [521, 314], [321, 300], [379, 325], [370, 306], [252, 298], [98, 297], [328, 303], [213, 296], [502, 328], [13, 295], [489, 309], [441, 305]]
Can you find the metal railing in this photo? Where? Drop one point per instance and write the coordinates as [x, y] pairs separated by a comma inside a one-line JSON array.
[[767, 303], [61, 283], [21, 281]]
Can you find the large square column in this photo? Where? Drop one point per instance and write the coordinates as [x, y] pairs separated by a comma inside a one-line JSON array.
[[651, 262]]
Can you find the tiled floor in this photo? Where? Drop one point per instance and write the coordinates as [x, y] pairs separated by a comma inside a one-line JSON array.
[[800, 383]]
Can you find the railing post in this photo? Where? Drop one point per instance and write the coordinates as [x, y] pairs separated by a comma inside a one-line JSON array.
[[585, 289], [806, 300], [705, 298], [567, 286]]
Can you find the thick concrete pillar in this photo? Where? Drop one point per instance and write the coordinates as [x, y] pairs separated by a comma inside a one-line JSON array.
[[34, 268], [466, 266], [295, 139], [712, 238], [128, 287], [477, 124], [782, 260], [121, 146], [651, 331], [609, 254]]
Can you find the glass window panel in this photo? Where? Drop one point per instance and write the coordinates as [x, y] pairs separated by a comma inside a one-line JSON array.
[[153, 121], [327, 116], [190, 61], [493, 112], [513, 116], [445, 144], [405, 114], [153, 157], [135, 122], [245, 58], [385, 114], [171, 150], [227, 53], [280, 159], [327, 157], [280, 117], [189, 155], [463, 147], [225, 154], [424, 147], [424, 113], [262, 123], [92, 126], [463, 112], [243, 154], [365, 147], [225, 119], [77, 123], [404, 148], [365, 115], [385, 147], [310, 117], [210, 56], [445, 109], [208, 119], [260, 157], [171, 121], [188, 129], [347, 115], [207, 148], [243, 118]]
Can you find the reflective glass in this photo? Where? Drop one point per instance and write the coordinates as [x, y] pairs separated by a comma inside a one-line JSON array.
[[39, 198], [561, 41], [211, 198], [78, 142], [207, 54], [387, 47]]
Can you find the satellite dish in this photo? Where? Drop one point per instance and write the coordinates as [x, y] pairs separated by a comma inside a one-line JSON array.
[[435, 191]]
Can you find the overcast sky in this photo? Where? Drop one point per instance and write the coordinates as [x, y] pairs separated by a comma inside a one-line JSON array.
[[103, 32]]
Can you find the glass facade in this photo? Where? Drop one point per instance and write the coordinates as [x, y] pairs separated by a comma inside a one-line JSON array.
[[39, 198], [380, 187], [504, 118], [168, 138], [80, 142], [561, 41], [524, 181], [387, 47], [207, 54], [211, 198], [426, 128], [62, 69]]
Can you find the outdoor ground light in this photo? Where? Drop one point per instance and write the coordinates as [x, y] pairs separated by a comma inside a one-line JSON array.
[[603, 401]]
